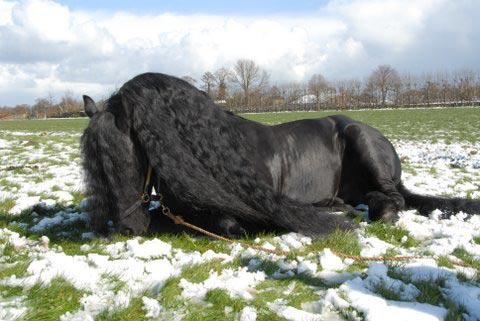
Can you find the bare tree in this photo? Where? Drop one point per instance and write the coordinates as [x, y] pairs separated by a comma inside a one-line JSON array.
[[292, 92], [208, 83], [355, 89], [222, 75], [318, 86], [384, 80], [249, 76], [68, 104], [41, 106]]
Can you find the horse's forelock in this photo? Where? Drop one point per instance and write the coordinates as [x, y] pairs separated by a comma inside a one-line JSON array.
[[95, 144]]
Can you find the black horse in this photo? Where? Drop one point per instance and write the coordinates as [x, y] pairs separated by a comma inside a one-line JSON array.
[[235, 175]]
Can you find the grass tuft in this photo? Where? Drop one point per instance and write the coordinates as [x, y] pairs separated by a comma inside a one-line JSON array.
[[391, 234], [48, 303]]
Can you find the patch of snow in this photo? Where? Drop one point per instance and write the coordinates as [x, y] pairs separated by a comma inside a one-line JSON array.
[[443, 236], [152, 307], [292, 314], [13, 308], [24, 202], [332, 277], [466, 296], [330, 261], [238, 283], [292, 241], [376, 308], [306, 267], [63, 196], [372, 246], [248, 314], [377, 277]]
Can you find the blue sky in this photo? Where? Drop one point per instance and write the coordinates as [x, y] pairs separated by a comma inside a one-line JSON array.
[[250, 7], [50, 47]]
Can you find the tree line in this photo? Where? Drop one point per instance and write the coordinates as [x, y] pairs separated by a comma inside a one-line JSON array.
[[246, 87]]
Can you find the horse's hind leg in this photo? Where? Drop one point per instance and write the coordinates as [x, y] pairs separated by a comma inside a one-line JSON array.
[[376, 158]]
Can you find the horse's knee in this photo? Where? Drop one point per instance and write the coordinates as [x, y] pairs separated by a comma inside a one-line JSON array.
[[382, 207]]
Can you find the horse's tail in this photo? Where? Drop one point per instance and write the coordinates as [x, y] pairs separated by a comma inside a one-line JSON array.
[[425, 203]]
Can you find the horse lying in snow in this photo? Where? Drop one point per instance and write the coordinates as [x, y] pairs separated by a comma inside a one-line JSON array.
[[236, 175]]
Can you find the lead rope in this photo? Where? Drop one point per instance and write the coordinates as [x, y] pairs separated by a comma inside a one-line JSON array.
[[177, 219]]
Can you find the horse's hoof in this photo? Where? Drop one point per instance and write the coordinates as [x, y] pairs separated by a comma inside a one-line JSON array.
[[386, 213]]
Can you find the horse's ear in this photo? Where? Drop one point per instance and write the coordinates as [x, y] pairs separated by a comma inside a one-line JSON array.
[[89, 105]]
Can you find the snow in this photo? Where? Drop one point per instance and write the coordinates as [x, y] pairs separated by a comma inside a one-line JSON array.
[[372, 246], [330, 261], [238, 283], [152, 307], [248, 314], [148, 249], [307, 267], [12, 308], [377, 277], [23, 203], [376, 308], [16, 240], [291, 241], [291, 313], [467, 296], [443, 236]]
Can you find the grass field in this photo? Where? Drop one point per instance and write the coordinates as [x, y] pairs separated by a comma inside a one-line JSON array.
[[52, 267], [450, 124]]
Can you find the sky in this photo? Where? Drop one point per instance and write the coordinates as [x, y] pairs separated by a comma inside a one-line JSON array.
[[93, 47]]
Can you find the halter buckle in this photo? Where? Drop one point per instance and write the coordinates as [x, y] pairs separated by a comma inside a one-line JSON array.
[[145, 198]]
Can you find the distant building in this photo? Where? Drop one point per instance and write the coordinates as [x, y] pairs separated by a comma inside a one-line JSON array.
[[305, 99]]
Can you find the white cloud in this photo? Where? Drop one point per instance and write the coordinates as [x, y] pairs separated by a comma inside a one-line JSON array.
[[45, 47], [391, 23]]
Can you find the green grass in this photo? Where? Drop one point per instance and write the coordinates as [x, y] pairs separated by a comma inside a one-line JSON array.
[[391, 234], [338, 241], [445, 262], [217, 300], [50, 302], [476, 240], [449, 124], [189, 243], [430, 292], [385, 291], [133, 312], [17, 268], [467, 258], [200, 272], [6, 204], [48, 125]]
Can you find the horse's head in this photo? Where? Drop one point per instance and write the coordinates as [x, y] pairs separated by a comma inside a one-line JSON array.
[[115, 168]]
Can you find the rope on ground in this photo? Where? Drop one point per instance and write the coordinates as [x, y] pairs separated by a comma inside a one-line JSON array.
[[180, 221]]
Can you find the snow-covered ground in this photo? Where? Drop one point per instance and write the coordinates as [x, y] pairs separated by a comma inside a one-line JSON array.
[[315, 284]]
